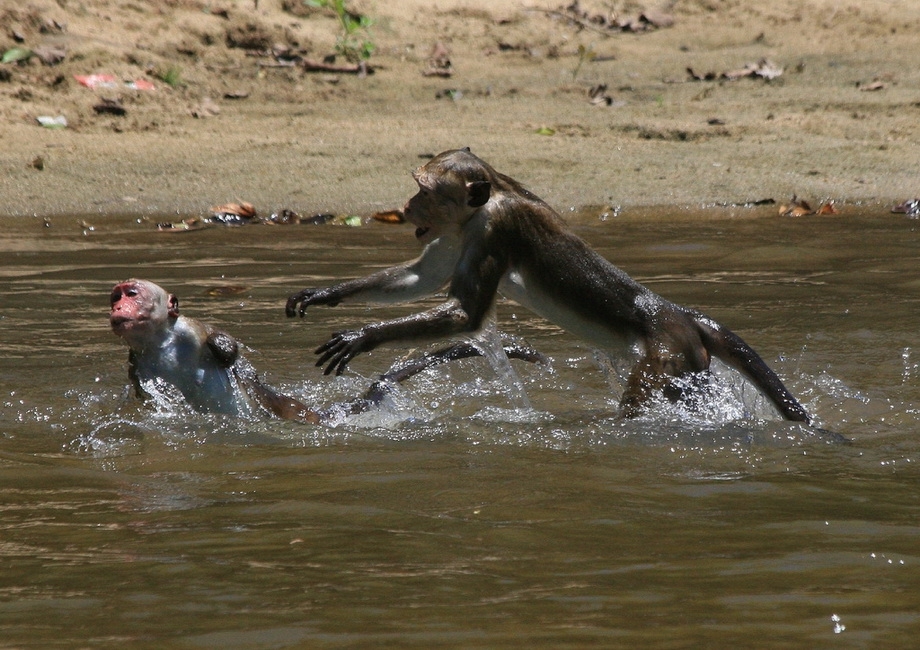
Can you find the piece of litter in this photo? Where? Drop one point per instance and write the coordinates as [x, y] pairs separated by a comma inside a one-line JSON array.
[[109, 81], [96, 80], [59, 122]]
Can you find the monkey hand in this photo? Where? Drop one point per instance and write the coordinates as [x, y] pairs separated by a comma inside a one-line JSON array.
[[306, 298], [343, 347]]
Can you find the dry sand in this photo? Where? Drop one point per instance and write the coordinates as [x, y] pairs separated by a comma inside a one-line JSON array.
[[841, 122]]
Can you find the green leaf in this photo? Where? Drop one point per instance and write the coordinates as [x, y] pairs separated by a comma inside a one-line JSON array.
[[545, 130], [16, 54]]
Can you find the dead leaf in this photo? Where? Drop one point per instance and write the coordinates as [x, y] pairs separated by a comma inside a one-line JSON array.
[[233, 214], [801, 208], [389, 216], [827, 208], [796, 208]]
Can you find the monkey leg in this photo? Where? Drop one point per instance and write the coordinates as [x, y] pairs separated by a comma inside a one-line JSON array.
[[403, 371], [455, 352], [654, 372]]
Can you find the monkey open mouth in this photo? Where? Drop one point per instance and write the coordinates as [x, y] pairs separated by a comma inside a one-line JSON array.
[[420, 232]]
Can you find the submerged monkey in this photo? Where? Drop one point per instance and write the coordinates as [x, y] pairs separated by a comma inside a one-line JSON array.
[[485, 233], [205, 364]]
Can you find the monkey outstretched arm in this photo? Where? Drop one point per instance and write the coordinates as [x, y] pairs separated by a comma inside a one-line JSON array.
[[470, 298], [443, 320], [419, 278]]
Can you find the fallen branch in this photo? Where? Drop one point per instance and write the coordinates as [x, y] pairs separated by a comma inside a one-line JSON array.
[[362, 68]]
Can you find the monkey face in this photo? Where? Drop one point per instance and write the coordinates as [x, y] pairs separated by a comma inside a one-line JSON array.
[[433, 213], [139, 309], [446, 197]]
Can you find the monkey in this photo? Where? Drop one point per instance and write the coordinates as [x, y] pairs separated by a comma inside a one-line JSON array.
[[206, 366], [484, 233]]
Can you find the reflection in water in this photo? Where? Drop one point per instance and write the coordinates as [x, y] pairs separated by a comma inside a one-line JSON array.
[[472, 510]]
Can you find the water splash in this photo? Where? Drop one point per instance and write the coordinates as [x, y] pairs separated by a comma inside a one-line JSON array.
[[489, 342]]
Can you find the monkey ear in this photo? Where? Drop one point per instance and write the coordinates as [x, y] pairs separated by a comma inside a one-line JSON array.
[[478, 193], [173, 306]]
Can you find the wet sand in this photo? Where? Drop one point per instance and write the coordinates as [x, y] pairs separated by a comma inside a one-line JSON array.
[[840, 123]]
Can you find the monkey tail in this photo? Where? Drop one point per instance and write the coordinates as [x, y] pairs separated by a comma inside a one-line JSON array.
[[731, 348]]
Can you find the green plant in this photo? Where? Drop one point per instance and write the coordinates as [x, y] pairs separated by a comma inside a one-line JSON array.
[[585, 54], [354, 43], [171, 76]]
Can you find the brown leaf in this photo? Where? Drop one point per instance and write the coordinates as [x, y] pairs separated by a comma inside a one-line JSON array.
[[796, 208], [242, 209], [827, 208], [800, 208], [233, 214], [389, 216]]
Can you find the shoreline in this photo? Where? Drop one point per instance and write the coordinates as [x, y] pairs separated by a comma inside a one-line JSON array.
[[839, 124]]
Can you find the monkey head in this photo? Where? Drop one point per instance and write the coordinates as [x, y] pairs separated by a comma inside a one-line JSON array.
[[453, 186], [141, 310]]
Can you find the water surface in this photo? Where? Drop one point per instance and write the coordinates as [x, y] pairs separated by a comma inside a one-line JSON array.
[[454, 518]]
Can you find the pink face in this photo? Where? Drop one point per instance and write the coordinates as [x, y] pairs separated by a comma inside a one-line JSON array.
[[140, 308]]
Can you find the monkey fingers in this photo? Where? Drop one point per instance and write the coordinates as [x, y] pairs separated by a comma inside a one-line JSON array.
[[340, 349], [306, 298], [302, 298]]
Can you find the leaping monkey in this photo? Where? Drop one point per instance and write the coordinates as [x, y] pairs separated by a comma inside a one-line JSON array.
[[484, 234]]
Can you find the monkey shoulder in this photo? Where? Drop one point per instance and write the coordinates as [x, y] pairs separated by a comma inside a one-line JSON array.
[[224, 347]]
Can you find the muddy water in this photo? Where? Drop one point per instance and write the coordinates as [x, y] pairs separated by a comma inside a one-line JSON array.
[[453, 518]]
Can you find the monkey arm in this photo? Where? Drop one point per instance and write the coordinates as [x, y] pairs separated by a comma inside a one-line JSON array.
[[475, 277], [416, 279], [443, 320], [139, 392]]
